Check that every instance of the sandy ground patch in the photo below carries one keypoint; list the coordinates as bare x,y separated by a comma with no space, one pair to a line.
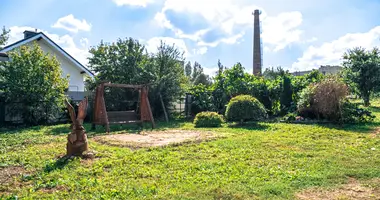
353,190
155,138
376,133
9,179
8,173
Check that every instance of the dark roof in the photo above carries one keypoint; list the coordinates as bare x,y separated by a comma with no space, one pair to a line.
40,33
14,44
3,55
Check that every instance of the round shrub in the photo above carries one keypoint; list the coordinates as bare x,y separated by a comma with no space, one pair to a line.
208,119
323,100
245,108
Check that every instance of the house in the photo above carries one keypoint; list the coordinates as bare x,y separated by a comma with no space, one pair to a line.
329,69
324,69
70,66
4,57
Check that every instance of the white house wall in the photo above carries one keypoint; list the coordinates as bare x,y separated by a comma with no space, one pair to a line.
76,79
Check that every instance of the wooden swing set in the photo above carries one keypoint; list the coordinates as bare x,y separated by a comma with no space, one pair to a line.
141,114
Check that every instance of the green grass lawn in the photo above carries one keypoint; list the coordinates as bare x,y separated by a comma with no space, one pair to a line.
264,161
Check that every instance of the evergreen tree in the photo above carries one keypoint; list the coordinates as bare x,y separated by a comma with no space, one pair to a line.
4,36
188,69
286,94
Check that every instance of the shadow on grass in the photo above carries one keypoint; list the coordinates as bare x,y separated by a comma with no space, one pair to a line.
18,129
367,127
374,109
58,164
250,126
359,127
114,129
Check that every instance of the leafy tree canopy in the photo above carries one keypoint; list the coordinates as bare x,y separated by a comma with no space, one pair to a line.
362,71
35,79
4,36
126,61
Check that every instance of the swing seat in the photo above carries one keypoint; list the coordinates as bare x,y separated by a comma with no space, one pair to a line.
142,113
123,117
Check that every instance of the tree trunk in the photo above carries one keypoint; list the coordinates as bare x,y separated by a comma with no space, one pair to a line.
366,100
164,109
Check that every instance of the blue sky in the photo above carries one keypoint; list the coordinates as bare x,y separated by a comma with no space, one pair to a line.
297,34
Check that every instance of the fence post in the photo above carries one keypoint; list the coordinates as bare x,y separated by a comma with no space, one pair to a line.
186,106
180,106
46,115
2,113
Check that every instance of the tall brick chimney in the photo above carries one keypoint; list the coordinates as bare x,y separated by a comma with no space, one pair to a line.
256,44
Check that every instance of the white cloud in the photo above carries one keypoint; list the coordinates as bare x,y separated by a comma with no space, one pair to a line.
227,40
72,24
217,12
223,15
141,3
282,30
233,17
65,41
84,42
330,53
153,43
311,40
165,23
200,51
211,71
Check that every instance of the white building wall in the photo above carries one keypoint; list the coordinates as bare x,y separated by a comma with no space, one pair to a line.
76,79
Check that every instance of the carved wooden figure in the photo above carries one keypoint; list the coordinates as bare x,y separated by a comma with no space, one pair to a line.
77,139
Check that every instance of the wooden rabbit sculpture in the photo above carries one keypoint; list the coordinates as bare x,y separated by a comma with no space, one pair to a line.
77,139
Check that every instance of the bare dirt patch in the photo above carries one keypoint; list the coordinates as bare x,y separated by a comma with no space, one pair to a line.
369,190
8,173
155,138
375,133
9,181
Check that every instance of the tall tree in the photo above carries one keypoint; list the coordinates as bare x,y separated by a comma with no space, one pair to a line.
286,94
4,36
188,69
167,76
124,62
35,79
198,76
362,71
203,79
119,62
197,70
220,67
271,73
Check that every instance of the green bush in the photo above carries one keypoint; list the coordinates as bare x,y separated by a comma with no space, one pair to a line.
352,113
33,78
290,117
286,93
328,100
208,119
202,99
306,98
245,108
